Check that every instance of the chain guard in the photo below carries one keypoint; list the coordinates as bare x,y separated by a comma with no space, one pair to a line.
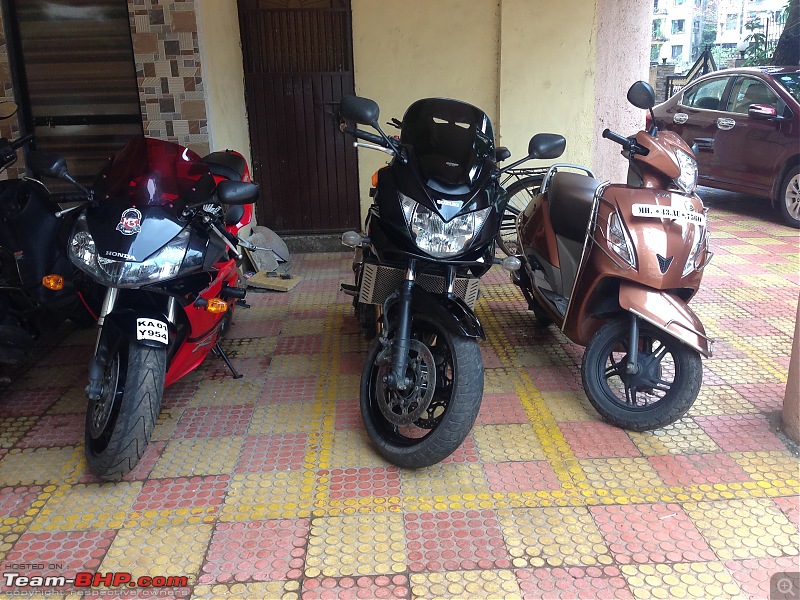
403,407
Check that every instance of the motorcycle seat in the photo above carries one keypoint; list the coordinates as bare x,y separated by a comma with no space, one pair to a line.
226,164
571,197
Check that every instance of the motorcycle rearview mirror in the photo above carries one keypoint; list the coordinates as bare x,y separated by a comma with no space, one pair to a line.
546,145
7,109
237,192
502,153
47,164
361,110
642,95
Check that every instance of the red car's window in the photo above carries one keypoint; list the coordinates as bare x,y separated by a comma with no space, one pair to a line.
747,91
706,95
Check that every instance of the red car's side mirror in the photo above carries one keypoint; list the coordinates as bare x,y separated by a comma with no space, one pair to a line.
762,111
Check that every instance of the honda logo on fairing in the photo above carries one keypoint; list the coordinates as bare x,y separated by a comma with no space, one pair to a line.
664,263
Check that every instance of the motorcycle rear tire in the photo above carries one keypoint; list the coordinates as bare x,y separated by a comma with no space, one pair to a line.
461,410
685,368
135,381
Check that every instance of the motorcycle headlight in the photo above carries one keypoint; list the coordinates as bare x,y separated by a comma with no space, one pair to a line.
437,237
82,250
687,180
619,241
159,266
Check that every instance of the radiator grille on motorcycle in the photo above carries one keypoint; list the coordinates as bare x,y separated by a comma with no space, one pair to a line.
379,281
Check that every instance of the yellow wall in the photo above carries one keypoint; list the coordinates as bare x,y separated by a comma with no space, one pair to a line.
223,75
533,66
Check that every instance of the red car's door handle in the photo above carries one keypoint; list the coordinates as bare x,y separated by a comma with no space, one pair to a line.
725,124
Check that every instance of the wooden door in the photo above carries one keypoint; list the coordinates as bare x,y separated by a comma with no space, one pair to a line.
298,64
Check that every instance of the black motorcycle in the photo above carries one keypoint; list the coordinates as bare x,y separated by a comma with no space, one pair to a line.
38,289
430,236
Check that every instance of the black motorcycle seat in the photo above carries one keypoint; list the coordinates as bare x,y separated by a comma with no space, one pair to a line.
226,164
571,197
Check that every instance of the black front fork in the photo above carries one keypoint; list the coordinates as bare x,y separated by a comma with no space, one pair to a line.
396,379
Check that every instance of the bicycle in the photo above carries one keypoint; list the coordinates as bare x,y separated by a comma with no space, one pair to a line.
525,185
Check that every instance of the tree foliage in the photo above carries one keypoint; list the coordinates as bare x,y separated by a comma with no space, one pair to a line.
787,52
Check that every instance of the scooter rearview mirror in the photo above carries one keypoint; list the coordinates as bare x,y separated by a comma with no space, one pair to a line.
642,95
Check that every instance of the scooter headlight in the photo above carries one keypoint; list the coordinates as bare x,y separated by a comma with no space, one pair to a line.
687,180
437,237
699,245
619,241
159,266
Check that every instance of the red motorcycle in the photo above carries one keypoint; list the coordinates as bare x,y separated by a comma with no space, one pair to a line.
155,234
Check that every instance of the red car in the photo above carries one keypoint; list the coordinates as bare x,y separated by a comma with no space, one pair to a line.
744,125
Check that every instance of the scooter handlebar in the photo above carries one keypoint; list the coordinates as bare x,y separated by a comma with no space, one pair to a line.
16,144
615,137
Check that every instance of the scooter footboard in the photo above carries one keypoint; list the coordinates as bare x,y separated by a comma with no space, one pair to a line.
666,311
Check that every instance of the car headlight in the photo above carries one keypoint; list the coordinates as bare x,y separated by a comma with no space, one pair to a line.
437,237
160,266
687,180
619,241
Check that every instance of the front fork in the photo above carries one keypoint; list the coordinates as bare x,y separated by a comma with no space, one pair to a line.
632,368
396,378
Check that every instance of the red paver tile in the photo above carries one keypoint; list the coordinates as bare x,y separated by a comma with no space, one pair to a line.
254,329
351,363
322,285
299,344
15,501
723,350
555,378
790,506
490,358
762,309
593,439
277,451
697,469
455,540
573,582
753,575
743,269
54,430
527,476
651,533
179,394
251,368
363,482
501,408
348,414
29,401
767,397
256,551
740,433
214,421
467,452
182,492
68,355
356,588
748,327
288,389
74,550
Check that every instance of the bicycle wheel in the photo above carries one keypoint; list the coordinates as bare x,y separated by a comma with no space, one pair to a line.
520,194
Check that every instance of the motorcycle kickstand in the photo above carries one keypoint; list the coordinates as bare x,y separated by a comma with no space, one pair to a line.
218,351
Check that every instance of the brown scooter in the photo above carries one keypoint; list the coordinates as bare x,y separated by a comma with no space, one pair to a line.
614,267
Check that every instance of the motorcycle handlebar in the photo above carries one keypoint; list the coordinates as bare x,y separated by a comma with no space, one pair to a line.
363,135
615,137
16,144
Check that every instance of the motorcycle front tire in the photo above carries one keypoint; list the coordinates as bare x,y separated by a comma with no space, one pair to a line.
461,359
117,435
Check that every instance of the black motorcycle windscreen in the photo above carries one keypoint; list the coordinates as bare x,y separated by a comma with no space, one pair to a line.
141,195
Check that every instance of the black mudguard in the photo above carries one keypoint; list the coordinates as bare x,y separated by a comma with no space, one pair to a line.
452,312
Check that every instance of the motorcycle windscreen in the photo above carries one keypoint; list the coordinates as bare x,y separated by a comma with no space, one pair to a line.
451,141
148,172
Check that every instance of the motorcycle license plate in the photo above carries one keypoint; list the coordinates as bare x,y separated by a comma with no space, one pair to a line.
152,331
655,211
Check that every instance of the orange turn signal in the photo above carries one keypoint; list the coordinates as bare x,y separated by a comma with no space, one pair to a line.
216,305
375,179
53,282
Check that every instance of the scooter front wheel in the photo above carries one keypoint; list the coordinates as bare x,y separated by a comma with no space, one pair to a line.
664,386
119,424
419,427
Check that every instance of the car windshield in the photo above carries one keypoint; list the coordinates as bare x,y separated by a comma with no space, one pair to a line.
790,82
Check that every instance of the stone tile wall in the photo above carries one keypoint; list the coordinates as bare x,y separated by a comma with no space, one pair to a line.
9,128
167,56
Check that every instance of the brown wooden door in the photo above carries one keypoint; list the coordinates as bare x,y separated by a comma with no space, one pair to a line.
298,64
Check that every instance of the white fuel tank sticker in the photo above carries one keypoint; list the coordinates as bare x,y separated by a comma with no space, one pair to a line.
152,330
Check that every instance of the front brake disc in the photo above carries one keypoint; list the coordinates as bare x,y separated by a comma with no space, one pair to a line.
403,407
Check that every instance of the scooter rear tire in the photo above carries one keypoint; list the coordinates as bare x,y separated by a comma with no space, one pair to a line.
684,369
135,386
461,355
